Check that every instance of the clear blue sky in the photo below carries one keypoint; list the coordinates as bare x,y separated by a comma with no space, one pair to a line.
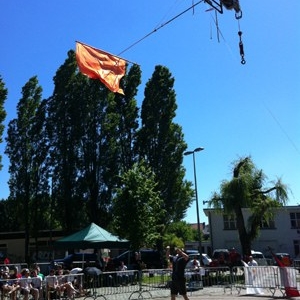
231,110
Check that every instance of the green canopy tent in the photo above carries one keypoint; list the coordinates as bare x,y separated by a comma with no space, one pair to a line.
93,236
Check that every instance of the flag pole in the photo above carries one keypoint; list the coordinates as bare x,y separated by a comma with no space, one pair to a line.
107,53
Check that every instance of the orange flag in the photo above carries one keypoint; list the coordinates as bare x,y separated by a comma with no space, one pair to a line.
97,64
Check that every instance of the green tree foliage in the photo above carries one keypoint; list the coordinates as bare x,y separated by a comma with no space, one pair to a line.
247,189
137,206
3,95
160,143
91,134
127,114
172,240
73,153
182,231
27,153
63,127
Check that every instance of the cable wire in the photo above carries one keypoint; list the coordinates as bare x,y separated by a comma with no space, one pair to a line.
161,26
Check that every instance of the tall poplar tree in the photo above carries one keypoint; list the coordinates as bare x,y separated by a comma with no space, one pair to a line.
127,111
98,150
63,126
27,180
109,123
3,95
3,206
91,134
161,144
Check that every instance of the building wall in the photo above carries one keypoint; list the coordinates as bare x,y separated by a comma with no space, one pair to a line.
12,245
281,238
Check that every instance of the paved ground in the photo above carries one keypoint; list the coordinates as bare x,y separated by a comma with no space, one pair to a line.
209,293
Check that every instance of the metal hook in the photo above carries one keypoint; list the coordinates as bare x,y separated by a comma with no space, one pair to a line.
239,15
241,46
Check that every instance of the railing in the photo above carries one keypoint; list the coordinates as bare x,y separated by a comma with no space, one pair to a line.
156,283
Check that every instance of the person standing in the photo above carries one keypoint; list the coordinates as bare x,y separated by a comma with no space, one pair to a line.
138,266
178,284
252,262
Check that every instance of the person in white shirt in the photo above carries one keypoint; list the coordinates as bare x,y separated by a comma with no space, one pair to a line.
51,284
193,264
26,286
77,280
122,275
36,282
252,262
64,284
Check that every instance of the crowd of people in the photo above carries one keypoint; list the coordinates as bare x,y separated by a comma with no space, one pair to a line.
59,283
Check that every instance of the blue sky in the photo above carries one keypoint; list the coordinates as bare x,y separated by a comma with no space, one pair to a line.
231,110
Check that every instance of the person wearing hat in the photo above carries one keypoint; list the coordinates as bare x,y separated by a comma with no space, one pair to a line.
179,261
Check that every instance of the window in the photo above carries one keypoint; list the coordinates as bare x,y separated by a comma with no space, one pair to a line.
295,219
267,225
229,222
297,248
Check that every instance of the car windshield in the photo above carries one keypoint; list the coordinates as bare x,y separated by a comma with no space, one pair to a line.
257,255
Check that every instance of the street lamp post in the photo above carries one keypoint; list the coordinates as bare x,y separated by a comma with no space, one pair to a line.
196,195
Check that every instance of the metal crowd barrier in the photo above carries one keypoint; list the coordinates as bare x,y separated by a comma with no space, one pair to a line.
253,279
258,279
150,283
136,284
156,283
147,284
130,284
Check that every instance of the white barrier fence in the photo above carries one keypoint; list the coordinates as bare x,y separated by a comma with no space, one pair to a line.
258,280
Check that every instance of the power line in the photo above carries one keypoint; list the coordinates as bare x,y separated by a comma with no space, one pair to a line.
281,127
161,26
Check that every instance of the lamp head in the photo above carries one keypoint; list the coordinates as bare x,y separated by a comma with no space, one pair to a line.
188,152
195,150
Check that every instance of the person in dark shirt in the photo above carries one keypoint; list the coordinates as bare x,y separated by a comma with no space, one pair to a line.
179,261
138,266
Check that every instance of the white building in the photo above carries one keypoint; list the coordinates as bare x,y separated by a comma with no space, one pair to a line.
282,234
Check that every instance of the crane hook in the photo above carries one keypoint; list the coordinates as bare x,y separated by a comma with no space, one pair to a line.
241,46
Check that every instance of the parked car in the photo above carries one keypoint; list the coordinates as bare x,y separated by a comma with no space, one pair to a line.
220,258
259,258
226,258
205,261
151,258
68,261
296,263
